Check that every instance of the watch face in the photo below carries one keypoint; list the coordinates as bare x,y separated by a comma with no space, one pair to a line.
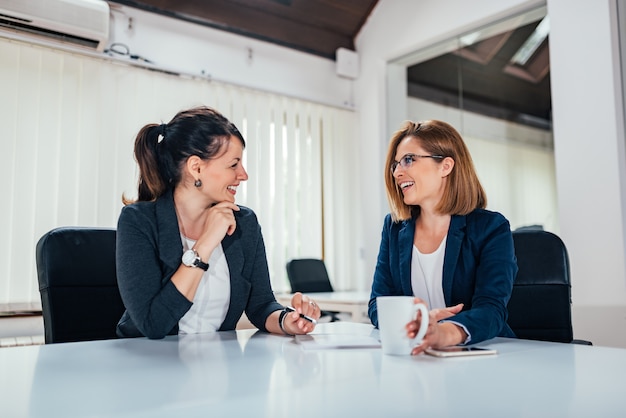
189,257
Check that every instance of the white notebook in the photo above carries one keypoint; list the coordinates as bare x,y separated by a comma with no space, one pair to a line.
336,341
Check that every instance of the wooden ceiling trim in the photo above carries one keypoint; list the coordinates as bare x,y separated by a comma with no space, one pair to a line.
314,26
335,16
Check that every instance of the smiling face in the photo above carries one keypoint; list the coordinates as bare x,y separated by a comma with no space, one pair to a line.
423,182
221,176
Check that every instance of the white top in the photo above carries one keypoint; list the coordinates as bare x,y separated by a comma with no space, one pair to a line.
427,280
427,276
212,298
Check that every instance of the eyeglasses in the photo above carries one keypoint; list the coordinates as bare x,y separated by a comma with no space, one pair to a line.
407,160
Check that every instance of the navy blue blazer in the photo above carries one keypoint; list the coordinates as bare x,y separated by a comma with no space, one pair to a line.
479,268
148,253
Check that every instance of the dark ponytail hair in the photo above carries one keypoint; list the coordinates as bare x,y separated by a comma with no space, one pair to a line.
162,150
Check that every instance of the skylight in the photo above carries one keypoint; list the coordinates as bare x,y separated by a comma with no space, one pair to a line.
529,47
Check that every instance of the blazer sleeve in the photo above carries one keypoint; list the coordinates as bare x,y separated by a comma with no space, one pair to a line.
261,302
386,275
153,303
493,256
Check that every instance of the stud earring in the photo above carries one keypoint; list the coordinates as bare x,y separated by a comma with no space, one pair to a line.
198,183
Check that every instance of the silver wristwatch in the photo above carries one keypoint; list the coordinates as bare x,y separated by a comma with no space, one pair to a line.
192,259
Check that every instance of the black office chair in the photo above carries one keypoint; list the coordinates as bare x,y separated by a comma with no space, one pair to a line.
80,299
309,275
540,304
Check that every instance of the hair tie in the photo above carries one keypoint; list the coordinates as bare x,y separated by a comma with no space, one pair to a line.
162,129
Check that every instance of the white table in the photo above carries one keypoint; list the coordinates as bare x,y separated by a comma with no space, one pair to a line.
247,373
352,302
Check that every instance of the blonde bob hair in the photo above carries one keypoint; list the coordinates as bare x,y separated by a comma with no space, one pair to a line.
463,192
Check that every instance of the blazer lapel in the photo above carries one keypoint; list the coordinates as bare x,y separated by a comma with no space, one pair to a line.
239,287
405,247
456,233
170,243
231,244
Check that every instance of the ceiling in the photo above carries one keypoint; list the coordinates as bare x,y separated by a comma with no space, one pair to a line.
317,27
479,77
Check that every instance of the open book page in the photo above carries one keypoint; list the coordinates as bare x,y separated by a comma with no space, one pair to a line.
336,341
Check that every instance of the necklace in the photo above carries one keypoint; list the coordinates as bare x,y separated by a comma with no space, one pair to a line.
181,227
419,262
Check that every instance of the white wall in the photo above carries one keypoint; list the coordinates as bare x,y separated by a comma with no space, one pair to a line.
199,50
588,157
588,134
589,152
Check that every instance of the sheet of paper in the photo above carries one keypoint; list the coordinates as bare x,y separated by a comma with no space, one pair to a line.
336,341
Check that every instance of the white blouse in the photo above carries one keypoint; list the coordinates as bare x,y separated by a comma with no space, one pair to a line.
427,276
212,298
427,280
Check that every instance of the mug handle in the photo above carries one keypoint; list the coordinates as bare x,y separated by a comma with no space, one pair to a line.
423,323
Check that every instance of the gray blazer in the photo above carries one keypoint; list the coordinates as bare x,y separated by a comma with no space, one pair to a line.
148,253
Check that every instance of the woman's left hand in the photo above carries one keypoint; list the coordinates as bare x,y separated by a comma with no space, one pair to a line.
304,305
438,334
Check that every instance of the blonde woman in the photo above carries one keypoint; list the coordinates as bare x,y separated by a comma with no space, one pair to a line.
439,243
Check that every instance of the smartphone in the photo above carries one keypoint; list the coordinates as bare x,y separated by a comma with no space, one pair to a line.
460,351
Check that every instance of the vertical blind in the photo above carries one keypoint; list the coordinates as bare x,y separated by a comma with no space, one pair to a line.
67,128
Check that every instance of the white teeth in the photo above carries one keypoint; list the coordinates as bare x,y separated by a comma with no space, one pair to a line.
233,188
406,184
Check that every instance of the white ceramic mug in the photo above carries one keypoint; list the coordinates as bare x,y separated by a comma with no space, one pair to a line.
394,312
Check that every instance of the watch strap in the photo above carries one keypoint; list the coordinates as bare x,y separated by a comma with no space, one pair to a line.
281,322
191,258
200,264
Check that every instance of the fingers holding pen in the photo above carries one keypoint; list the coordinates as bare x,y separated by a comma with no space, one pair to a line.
305,313
309,308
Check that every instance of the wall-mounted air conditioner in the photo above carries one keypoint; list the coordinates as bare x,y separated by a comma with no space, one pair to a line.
83,23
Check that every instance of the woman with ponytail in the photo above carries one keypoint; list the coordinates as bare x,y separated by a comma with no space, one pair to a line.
189,260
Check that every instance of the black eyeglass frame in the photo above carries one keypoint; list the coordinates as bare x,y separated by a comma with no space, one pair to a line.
407,160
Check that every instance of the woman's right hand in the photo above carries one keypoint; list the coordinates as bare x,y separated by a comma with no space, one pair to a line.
437,334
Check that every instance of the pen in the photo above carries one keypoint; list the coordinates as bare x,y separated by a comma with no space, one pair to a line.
307,318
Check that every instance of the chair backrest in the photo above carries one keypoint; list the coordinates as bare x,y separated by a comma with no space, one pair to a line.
540,305
80,299
308,275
